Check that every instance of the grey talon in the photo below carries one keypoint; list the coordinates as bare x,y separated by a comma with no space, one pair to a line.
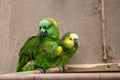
41,70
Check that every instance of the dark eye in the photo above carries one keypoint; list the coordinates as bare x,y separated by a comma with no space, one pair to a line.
39,27
70,38
49,26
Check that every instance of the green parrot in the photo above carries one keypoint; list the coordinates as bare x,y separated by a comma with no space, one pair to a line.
48,34
67,47
69,43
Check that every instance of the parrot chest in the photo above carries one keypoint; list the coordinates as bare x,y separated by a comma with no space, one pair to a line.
48,48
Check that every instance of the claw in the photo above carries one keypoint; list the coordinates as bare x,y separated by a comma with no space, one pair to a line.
41,70
61,69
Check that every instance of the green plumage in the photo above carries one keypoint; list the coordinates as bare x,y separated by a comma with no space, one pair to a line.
28,52
41,46
48,51
68,49
41,51
46,62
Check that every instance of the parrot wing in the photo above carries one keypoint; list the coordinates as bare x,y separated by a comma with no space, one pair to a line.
27,52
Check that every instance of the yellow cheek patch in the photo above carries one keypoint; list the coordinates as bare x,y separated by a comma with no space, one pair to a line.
69,42
59,50
52,20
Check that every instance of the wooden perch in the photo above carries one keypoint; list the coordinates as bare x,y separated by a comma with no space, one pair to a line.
93,67
67,76
50,70
77,68
71,72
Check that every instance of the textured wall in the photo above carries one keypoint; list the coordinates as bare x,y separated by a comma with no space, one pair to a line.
19,20
113,29
5,55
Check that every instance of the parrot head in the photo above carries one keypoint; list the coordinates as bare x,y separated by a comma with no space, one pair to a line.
70,42
48,27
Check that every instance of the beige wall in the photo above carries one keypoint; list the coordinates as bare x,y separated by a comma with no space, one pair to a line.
19,20
113,29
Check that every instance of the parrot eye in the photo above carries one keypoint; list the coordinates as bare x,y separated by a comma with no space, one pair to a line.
40,27
49,26
70,38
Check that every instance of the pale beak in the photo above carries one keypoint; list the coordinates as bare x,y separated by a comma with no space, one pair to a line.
43,32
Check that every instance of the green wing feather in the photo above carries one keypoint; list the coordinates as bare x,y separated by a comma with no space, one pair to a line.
28,52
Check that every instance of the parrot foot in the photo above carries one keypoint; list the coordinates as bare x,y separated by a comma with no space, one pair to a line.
61,69
41,70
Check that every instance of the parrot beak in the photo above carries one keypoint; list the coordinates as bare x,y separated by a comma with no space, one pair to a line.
43,32
76,43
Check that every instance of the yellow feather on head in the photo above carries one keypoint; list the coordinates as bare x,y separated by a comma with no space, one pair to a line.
53,21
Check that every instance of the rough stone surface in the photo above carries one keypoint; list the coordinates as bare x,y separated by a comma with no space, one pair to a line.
19,20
